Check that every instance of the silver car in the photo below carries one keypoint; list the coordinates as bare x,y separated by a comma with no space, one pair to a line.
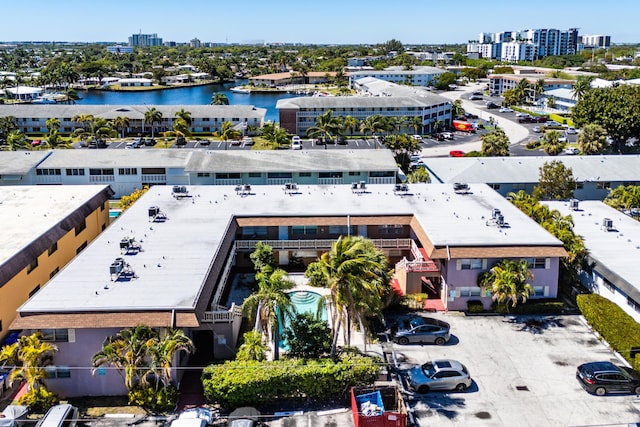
439,375
422,330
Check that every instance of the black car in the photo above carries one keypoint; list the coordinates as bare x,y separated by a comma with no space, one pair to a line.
471,116
492,105
527,119
601,378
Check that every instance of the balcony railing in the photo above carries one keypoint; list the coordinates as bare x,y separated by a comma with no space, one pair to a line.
330,181
222,315
101,178
318,244
230,181
154,178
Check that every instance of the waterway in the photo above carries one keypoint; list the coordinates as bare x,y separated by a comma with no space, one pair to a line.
193,95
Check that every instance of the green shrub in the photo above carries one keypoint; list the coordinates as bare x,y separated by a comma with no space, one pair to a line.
38,400
235,384
475,306
162,399
612,323
532,307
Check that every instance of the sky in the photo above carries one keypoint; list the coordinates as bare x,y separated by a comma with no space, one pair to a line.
311,22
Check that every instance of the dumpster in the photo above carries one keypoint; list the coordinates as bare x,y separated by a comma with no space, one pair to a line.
380,405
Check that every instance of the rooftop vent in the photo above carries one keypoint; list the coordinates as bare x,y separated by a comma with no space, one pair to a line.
120,270
180,191
290,188
129,245
401,189
497,219
495,212
359,187
574,204
460,188
243,190
607,224
156,215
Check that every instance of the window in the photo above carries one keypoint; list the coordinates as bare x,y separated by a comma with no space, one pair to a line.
128,171
81,226
303,230
354,173
341,230
227,176
203,174
603,185
471,264
276,175
607,284
102,207
81,247
54,272
473,291
534,263
74,172
33,291
48,172
633,304
52,249
57,371
381,174
98,172
304,174
330,174
254,231
55,335
32,266
495,186
390,229
579,185
154,171
255,175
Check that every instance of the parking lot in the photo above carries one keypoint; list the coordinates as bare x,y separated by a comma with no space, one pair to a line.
523,371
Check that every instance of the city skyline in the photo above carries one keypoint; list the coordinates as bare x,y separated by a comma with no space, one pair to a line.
330,22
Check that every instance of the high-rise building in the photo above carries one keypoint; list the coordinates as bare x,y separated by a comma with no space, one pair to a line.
589,42
525,45
145,40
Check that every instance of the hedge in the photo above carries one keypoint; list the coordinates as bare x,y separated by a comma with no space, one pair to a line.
612,323
532,307
241,383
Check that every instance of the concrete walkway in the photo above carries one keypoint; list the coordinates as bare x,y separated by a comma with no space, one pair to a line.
514,131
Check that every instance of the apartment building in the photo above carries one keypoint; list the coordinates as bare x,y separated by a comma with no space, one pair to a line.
416,76
169,261
525,45
43,229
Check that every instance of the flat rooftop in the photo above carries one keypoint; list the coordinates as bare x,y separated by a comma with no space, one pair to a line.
28,212
519,169
617,250
177,253
21,162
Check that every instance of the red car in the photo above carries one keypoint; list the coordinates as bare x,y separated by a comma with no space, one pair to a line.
456,153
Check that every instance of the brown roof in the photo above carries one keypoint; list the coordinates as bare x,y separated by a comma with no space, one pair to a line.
288,74
498,252
101,320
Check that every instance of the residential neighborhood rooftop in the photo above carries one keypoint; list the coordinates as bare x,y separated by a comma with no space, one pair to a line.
20,162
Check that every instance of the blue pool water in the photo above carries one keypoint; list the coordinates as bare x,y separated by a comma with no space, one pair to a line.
303,302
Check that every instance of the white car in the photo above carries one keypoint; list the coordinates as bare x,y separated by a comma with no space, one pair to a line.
505,110
296,143
562,138
416,137
572,151
571,131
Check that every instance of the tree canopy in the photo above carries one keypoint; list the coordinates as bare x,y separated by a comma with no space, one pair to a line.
556,182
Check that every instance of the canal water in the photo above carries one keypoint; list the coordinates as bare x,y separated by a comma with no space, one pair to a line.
193,95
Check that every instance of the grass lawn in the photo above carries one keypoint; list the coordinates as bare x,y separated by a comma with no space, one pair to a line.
100,406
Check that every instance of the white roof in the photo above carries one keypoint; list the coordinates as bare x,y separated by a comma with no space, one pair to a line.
178,253
525,169
618,250
27,212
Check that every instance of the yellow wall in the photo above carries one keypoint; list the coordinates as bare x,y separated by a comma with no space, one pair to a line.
16,291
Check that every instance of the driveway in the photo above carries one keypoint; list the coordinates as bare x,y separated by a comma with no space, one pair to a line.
523,370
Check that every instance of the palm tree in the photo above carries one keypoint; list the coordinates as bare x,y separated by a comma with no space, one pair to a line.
219,99
357,275
508,282
100,128
128,352
522,90
29,355
56,141
495,143
16,141
181,128
253,347
184,115
351,123
581,86
538,88
270,303
152,116
165,350
71,96
327,127
551,143
624,197
416,123
456,108
53,124
373,124
7,124
228,132
121,122
591,138
83,119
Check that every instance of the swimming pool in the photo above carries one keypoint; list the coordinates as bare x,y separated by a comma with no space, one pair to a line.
303,302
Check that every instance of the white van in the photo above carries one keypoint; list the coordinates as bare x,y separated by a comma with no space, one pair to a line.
60,416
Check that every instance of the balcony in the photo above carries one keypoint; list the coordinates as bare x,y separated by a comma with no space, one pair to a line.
323,244
98,179
154,178
222,314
